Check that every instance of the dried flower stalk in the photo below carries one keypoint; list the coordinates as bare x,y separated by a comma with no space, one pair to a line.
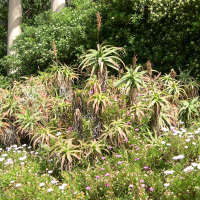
173,74
149,69
134,61
98,25
54,49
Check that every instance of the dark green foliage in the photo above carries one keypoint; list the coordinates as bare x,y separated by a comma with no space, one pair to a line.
30,8
70,31
161,32
5,82
3,30
165,32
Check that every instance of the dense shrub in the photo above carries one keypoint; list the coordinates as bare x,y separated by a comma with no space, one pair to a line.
167,33
69,30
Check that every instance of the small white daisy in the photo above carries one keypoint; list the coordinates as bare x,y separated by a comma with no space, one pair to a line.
42,184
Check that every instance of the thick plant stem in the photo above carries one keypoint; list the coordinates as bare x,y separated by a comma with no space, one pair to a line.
155,121
133,95
103,78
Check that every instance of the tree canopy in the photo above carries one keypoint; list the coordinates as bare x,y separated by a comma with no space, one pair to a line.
165,32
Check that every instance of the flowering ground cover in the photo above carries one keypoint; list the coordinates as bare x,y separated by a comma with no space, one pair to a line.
165,168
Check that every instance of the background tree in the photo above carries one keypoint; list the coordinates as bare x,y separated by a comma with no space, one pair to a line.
145,28
57,5
14,22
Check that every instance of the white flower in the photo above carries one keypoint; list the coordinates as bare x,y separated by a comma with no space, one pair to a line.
166,184
163,142
12,181
190,133
64,185
50,190
164,129
186,147
24,145
9,162
14,146
41,184
32,152
178,157
20,147
4,155
169,172
50,172
194,164
187,140
196,132
1,149
22,163
54,181
22,158
18,185
190,168
58,133
168,144
1,159
18,151
9,148
183,130
61,187
178,132
36,153
194,143
29,147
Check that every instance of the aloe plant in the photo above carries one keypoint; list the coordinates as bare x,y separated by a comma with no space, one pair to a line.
189,110
117,131
138,111
190,85
175,89
43,135
133,79
158,100
99,102
98,60
28,120
62,77
94,149
65,150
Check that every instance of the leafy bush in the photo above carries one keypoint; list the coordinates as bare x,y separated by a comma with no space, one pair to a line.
166,33
69,30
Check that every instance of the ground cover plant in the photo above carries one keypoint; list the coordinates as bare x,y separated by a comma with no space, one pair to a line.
91,133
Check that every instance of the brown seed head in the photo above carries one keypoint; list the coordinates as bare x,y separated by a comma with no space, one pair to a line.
98,21
173,74
54,49
149,69
134,61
